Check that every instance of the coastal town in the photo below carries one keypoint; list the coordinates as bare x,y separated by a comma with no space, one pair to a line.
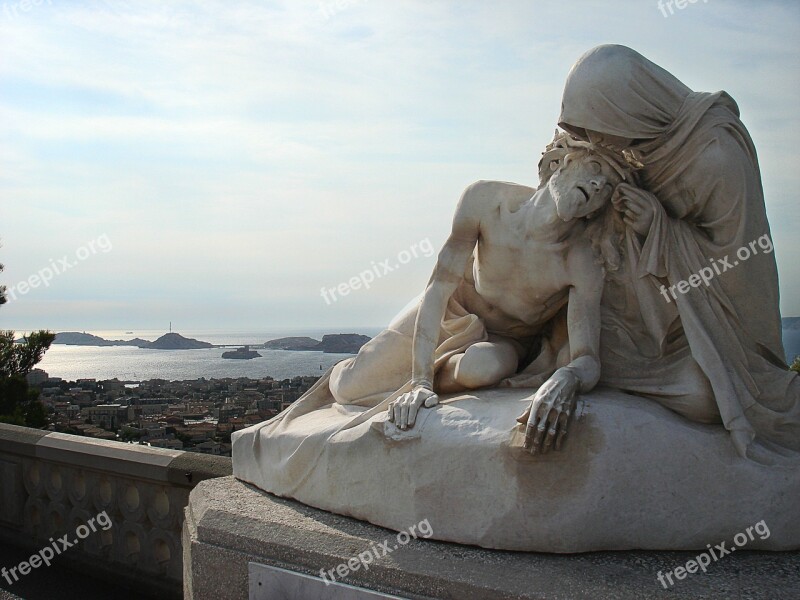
194,416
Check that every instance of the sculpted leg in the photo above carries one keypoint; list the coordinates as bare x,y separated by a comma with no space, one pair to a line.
483,364
382,365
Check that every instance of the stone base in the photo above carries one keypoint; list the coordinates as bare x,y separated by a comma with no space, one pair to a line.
632,476
230,524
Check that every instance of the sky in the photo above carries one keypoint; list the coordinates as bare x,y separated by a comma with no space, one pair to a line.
224,165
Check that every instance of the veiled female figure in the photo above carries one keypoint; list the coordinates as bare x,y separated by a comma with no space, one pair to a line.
715,351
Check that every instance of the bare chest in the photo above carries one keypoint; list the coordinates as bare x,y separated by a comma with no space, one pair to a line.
519,275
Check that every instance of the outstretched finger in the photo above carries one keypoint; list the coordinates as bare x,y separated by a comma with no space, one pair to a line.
541,427
530,431
551,432
397,420
412,414
535,423
404,415
562,433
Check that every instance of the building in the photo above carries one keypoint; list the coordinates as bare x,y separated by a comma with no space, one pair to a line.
107,416
209,447
165,443
37,377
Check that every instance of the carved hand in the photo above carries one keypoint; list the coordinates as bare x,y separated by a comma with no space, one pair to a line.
638,207
403,410
550,411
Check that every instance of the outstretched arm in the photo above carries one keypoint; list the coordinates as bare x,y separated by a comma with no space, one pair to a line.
552,406
447,275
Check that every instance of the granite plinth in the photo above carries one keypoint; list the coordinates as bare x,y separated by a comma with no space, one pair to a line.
230,524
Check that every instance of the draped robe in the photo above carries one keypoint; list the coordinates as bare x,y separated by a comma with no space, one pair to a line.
701,164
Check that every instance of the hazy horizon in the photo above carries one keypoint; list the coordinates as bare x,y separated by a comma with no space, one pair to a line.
226,165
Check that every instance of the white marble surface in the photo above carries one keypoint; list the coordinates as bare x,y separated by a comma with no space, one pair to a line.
633,475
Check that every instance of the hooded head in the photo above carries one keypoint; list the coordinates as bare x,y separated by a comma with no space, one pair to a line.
615,91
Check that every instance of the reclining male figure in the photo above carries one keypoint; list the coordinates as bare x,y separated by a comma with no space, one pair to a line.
525,262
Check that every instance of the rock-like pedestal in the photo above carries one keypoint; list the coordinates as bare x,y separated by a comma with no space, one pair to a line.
230,524
632,475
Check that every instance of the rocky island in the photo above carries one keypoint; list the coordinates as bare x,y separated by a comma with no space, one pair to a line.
169,341
335,343
292,343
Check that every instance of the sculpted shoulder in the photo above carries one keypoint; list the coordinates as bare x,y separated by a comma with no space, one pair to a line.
485,194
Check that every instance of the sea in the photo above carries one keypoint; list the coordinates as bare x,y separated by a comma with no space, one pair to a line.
138,364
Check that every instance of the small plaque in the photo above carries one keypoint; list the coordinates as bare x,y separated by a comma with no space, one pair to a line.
272,583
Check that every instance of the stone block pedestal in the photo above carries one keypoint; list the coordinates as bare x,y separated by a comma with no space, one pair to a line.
230,525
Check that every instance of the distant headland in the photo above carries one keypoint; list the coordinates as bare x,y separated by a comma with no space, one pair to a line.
336,343
169,341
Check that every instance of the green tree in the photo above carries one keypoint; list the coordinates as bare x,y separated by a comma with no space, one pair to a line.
795,366
129,434
19,404
18,359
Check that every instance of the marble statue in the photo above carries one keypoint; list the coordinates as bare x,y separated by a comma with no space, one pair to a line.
559,302
703,199
516,259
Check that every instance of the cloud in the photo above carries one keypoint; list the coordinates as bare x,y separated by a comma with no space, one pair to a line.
249,153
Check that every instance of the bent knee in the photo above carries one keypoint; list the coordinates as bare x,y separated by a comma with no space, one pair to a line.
359,383
485,364
341,383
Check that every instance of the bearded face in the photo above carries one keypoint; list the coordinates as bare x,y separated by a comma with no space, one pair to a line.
581,184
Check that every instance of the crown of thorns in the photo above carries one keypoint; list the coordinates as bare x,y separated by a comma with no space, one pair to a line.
619,162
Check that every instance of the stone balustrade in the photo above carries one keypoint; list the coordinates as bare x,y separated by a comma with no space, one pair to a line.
53,484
